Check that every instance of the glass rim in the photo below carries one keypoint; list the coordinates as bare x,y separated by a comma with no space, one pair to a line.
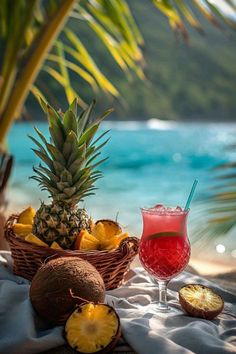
171,213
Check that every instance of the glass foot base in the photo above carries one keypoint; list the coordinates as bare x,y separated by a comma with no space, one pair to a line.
163,308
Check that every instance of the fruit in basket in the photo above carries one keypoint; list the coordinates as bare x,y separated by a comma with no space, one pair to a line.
93,328
63,283
105,235
86,241
22,230
27,216
200,301
68,174
109,233
113,242
34,239
111,227
55,246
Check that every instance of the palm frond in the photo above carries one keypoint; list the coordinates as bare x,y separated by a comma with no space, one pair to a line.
218,207
26,40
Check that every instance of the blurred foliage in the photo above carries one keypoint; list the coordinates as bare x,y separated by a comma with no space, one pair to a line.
28,32
194,80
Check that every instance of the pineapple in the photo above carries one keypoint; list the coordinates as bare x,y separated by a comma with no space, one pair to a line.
68,173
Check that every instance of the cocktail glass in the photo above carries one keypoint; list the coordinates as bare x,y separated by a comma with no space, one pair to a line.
164,247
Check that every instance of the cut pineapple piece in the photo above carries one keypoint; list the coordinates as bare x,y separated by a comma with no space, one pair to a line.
22,229
86,241
99,231
113,242
200,301
34,239
111,228
93,328
27,216
55,246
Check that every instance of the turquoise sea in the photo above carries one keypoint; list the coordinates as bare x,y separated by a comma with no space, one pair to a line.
149,163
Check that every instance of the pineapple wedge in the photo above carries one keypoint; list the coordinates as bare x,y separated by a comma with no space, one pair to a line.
34,239
111,227
22,230
27,216
113,242
55,246
86,241
99,232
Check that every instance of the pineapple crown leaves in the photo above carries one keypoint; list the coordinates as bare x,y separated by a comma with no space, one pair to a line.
71,157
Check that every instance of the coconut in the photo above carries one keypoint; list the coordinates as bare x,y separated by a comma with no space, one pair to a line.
61,284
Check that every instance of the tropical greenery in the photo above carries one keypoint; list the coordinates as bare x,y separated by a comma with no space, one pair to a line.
34,38
182,81
28,42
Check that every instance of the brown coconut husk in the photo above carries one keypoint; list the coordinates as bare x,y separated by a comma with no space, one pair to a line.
63,283
198,312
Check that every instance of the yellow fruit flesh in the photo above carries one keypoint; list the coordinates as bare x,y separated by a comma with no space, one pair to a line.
99,232
88,241
55,246
92,328
111,228
34,239
114,242
22,229
27,216
201,298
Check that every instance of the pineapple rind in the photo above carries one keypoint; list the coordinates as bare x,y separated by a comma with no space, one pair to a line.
69,172
60,223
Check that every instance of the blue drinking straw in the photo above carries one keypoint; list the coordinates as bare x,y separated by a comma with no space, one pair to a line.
190,197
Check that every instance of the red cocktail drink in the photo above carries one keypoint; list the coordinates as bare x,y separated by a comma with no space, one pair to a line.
164,248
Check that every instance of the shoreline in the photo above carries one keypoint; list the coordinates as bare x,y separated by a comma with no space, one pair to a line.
211,265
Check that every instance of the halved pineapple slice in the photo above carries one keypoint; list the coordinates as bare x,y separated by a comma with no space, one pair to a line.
27,216
99,232
200,301
113,242
55,246
86,241
34,239
93,328
111,227
22,230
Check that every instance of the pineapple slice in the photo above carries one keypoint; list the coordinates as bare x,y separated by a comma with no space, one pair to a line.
114,242
27,216
99,232
86,241
111,228
55,246
22,230
93,328
34,239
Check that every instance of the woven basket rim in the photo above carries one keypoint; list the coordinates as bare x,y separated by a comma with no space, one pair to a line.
130,242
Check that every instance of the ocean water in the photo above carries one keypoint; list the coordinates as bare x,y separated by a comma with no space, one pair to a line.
148,163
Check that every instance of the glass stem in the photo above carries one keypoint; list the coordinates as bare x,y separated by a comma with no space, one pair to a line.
163,305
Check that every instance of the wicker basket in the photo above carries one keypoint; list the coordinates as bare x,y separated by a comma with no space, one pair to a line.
112,265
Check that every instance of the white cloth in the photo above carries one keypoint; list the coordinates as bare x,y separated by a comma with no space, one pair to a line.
145,330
